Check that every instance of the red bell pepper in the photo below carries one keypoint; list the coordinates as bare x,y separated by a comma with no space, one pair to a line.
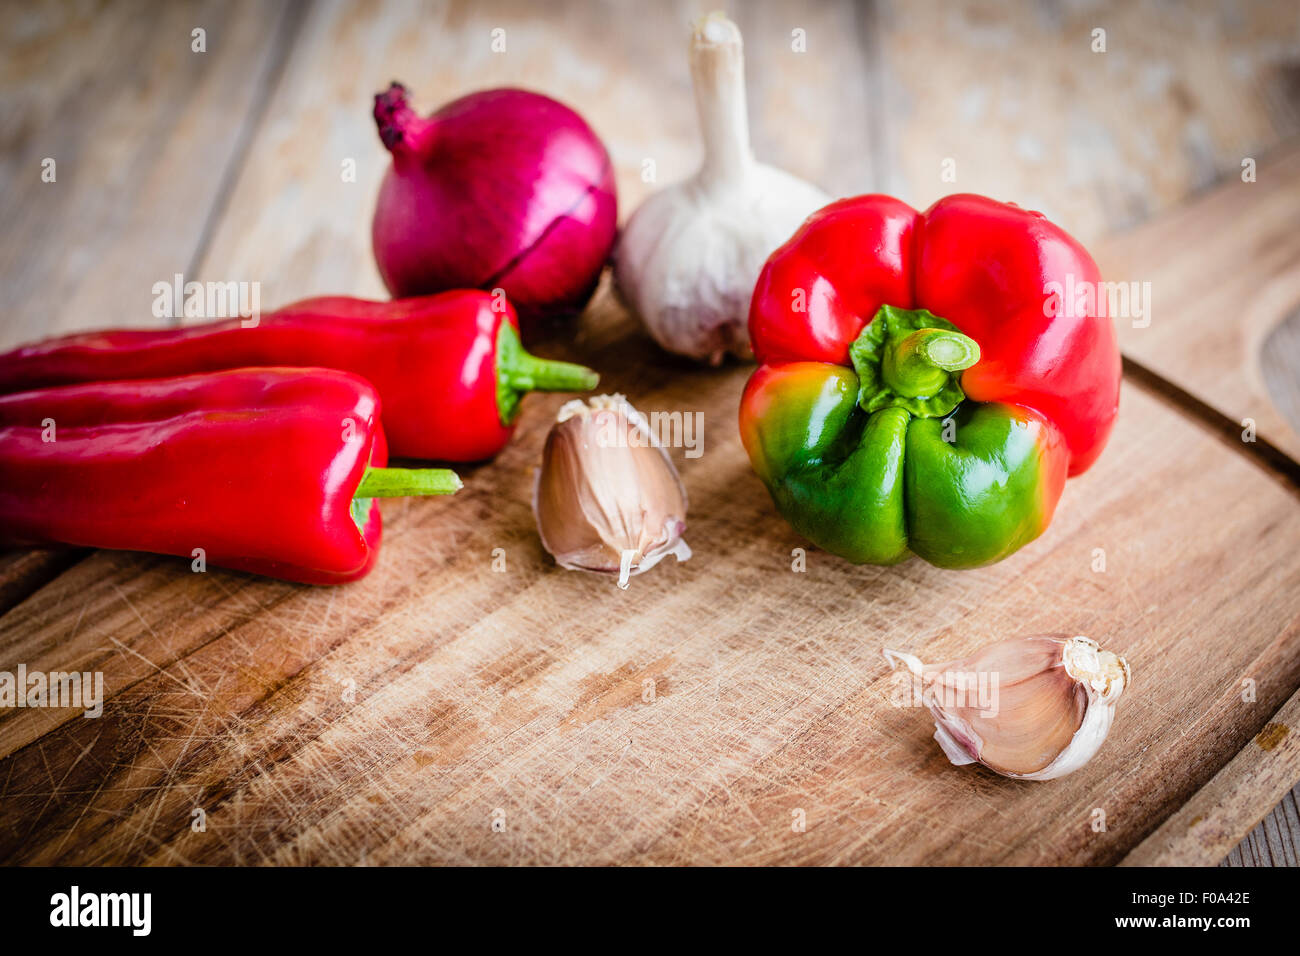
450,367
922,386
265,470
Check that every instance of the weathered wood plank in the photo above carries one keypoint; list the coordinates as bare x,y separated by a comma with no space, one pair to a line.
1015,95
1224,274
1274,841
141,131
1210,824
23,573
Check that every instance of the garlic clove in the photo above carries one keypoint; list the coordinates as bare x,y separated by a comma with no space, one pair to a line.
690,255
1033,708
607,498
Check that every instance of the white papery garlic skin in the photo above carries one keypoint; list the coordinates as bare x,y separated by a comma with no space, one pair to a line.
607,498
1055,700
689,257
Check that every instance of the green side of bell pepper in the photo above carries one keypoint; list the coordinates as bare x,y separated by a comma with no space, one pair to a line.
890,459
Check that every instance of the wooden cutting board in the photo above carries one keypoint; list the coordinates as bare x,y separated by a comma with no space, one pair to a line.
445,711
692,718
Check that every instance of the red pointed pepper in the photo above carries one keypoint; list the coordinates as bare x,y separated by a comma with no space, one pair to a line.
450,367
265,470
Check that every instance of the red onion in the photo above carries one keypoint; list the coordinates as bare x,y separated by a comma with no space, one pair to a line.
499,189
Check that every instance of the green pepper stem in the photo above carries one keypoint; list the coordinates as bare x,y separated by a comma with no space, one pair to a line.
920,364
519,372
402,482
528,373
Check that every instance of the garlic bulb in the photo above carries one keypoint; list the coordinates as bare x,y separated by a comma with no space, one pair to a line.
1034,708
607,497
690,255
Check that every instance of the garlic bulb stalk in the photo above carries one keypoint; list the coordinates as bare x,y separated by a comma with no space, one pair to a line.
607,497
1032,708
689,256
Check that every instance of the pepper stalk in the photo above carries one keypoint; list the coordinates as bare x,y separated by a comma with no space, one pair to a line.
400,483
911,359
520,372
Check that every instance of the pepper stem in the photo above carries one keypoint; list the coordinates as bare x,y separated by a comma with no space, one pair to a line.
918,366
519,372
911,359
403,482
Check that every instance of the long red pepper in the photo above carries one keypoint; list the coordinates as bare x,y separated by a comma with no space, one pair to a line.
265,470
450,367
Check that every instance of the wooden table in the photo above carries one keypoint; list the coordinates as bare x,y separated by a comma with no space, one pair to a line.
440,711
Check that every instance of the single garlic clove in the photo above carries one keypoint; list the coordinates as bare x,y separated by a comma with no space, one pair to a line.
690,255
1033,708
607,497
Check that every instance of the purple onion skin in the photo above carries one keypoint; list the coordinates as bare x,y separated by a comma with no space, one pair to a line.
499,189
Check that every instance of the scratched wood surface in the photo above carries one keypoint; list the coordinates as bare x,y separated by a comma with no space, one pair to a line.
1210,824
1220,316
393,720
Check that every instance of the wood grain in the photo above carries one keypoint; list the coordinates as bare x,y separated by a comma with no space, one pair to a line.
1015,94
1209,825
474,691
1280,363
686,720
1273,841
1217,303
142,132
22,573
